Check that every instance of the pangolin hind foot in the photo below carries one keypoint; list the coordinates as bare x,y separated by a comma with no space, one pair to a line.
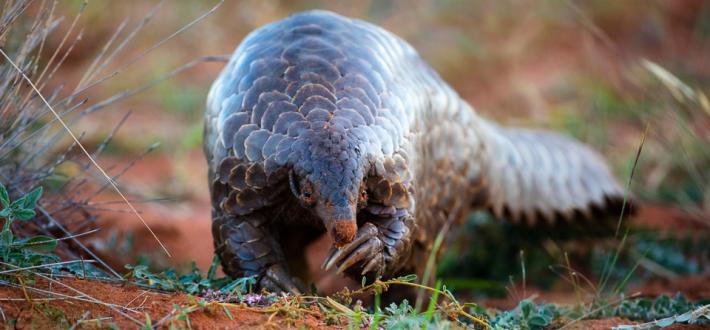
320,123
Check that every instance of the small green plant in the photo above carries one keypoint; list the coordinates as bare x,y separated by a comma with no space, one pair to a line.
148,323
528,315
19,253
193,283
645,309
184,314
402,316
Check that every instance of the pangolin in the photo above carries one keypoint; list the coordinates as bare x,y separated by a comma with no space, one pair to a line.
322,123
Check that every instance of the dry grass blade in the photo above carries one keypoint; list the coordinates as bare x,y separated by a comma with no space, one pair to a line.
61,45
91,70
15,270
677,87
609,266
82,88
431,260
114,307
83,317
83,85
13,14
78,243
125,169
128,93
174,34
627,190
89,232
83,149
339,307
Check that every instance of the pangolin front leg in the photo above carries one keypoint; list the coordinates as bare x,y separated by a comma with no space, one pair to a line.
379,249
247,247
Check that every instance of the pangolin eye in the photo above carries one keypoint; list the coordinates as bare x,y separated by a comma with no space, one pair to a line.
307,190
307,194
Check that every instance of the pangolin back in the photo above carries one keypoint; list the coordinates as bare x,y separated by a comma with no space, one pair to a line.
422,149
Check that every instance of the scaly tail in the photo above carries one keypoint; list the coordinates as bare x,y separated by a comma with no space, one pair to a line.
531,175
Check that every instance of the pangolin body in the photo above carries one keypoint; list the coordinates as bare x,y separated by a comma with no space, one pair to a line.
321,123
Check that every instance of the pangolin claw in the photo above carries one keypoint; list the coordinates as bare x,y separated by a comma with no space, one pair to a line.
366,246
277,279
376,263
365,233
371,248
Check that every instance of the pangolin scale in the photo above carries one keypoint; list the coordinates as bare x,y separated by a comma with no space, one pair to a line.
321,123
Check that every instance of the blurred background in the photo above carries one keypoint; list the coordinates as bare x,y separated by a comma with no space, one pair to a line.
601,71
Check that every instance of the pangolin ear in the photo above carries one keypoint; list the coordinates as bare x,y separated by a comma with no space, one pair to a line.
293,184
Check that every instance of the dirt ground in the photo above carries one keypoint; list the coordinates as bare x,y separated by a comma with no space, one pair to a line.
105,303
89,304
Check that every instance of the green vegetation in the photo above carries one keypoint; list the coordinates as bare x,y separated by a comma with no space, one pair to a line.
194,282
24,257
22,253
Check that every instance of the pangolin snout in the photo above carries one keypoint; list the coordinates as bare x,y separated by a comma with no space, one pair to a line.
342,231
340,222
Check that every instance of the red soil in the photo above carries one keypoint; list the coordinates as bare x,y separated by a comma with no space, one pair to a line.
117,303
32,311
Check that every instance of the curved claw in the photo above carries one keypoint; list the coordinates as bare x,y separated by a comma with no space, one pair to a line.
328,262
366,245
369,248
277,279
364,234
377,262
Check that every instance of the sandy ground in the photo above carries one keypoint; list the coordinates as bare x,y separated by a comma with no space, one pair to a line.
127,305
117,303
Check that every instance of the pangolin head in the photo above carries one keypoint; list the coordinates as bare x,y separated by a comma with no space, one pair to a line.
328,179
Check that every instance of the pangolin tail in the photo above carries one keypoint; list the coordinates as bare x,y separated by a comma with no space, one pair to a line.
532,176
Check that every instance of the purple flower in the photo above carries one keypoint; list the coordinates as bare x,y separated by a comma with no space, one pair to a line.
253,299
